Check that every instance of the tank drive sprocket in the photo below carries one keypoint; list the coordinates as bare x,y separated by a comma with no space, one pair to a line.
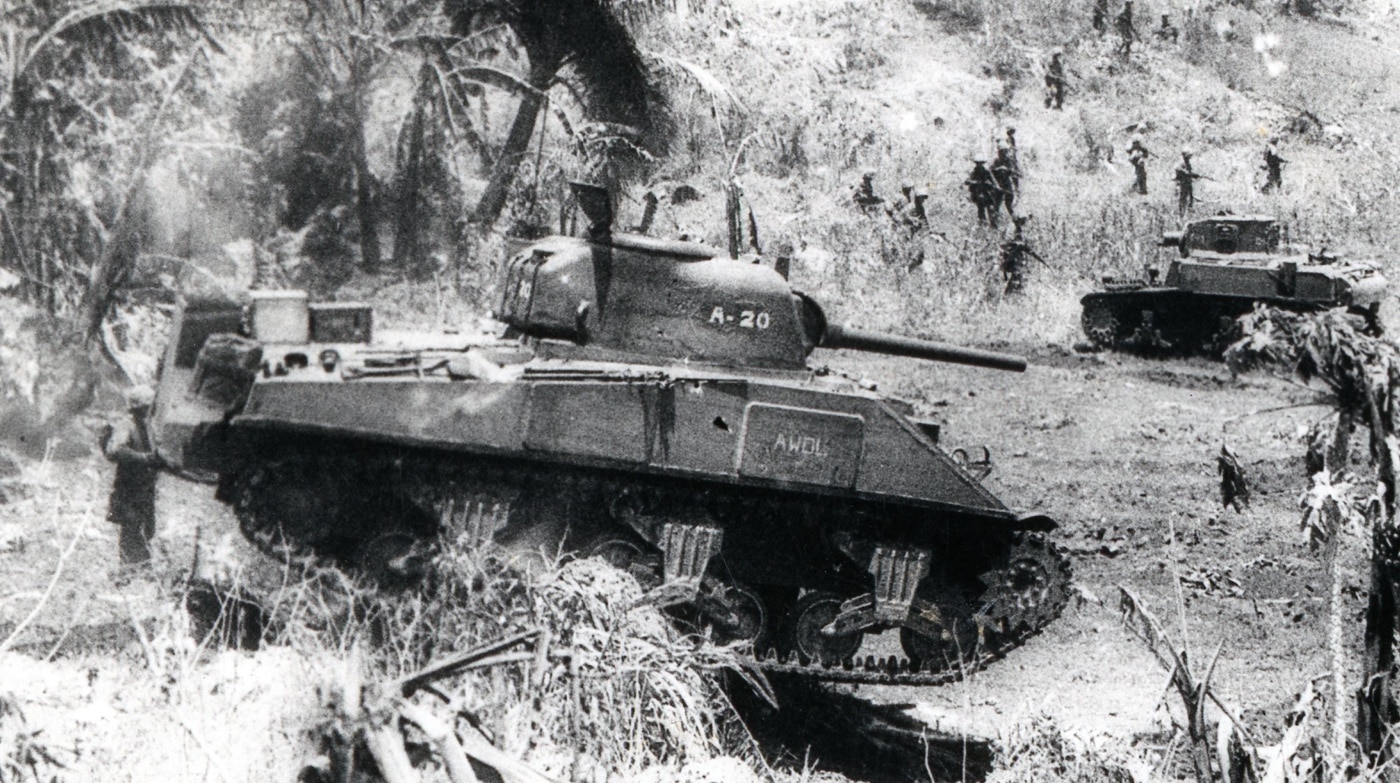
1103,323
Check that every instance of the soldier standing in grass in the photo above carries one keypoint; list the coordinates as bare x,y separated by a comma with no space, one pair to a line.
1016,254
1127,32
1185,183
1055,82
132,504
982,189
1007,177
1273,165
1138,155
1100,18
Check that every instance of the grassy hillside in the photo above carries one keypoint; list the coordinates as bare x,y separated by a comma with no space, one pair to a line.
824,90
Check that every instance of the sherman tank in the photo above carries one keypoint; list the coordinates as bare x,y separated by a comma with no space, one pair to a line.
1225,266
645,400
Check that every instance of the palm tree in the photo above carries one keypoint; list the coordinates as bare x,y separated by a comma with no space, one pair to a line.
583,36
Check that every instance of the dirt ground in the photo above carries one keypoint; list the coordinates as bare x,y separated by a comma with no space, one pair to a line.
1122,451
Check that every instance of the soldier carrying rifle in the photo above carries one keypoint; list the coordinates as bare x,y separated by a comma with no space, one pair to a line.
1186,183
1015,255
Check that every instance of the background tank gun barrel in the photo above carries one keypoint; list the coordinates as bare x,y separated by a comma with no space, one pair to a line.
874,342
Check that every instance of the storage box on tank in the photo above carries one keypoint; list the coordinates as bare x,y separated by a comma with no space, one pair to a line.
341,322
280,316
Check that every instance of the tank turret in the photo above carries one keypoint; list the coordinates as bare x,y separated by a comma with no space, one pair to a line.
643,299
1226,235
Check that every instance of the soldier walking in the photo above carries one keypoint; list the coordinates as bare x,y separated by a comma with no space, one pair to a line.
1127,32
1016,254
1007,177
1273,165
1055,82
1185,183
1100,17
1138,155
983,190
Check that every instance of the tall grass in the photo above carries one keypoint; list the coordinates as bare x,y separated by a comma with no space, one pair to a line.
615,690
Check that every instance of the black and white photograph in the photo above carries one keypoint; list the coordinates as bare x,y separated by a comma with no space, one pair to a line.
699,391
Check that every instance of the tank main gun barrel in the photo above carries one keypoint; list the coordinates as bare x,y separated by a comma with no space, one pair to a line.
874,342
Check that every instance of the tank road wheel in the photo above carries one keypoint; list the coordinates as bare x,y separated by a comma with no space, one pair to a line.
802,630
1030,590
960,639
1102,324
750,619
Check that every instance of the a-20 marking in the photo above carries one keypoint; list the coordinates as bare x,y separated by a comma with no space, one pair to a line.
748,319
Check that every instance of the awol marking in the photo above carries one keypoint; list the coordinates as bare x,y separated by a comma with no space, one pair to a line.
791,443
801,444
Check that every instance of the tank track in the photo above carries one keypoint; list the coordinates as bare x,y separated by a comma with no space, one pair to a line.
1006,625
1184,326
290,506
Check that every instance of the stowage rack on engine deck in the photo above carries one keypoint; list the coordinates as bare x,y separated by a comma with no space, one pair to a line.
647,401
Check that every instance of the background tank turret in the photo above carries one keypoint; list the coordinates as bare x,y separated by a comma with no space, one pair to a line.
1224,266
648,401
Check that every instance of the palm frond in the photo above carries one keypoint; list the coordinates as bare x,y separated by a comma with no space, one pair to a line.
493,77
100,22
712,86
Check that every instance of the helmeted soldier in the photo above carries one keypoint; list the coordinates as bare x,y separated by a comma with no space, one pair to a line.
1100,17
132,503
1273,166
1127,32
1138,155
1016,254
1055,82
1186,178
983,190
1007,177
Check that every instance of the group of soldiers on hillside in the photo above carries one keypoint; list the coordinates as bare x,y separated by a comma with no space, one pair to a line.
991,189
995,185
1127,31
996,188
1185,175
1126,28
